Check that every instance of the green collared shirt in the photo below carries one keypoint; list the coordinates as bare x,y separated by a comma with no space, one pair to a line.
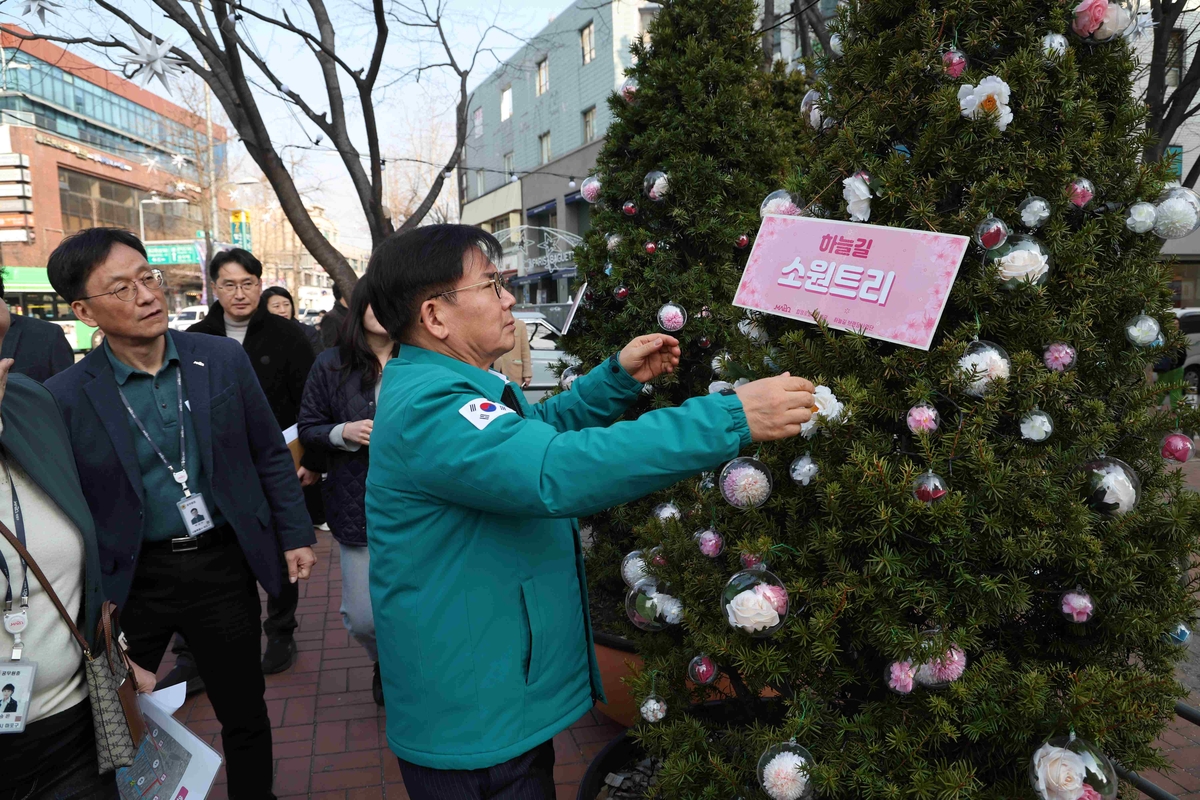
155,401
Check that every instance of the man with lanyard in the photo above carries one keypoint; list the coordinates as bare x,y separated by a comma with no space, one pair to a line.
185,419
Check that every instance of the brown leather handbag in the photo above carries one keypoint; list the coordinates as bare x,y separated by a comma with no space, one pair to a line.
115,714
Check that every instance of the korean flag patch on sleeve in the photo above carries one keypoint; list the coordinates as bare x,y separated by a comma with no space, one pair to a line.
481,411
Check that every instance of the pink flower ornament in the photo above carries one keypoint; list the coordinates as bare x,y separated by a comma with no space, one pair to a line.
954,63
922,418
710,542
1077,606
1090,794
775,595
900,676
1059,356
1081,191
950,666
1088,16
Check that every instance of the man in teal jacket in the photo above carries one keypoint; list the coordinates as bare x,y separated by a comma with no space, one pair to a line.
477,577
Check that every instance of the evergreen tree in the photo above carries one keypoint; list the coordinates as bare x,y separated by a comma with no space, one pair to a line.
934,635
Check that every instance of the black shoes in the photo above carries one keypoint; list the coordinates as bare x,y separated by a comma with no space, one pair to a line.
281,654
377,686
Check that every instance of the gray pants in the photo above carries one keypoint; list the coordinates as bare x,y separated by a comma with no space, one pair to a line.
356,597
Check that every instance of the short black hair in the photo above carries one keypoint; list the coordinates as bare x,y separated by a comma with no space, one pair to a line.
337,292
72,262
411,266
8,687
277,291
238,256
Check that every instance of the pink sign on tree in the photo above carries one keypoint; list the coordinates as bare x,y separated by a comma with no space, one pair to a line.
888,283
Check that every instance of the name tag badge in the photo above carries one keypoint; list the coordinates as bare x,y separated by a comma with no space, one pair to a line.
480,412
194,512
16,680
15,622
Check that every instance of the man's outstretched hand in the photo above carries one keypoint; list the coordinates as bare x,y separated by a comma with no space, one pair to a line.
647,357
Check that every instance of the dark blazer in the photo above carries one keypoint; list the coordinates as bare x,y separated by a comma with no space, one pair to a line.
330,398
36,438
10,707
40,348
253,481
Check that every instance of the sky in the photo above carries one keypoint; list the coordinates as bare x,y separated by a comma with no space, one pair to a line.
405,107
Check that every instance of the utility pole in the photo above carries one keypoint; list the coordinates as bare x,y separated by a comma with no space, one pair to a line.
210,228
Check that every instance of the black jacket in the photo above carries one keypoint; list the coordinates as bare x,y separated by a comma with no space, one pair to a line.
331,325
331,398
40,348
281,356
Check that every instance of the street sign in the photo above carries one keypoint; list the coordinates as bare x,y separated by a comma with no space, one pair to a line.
167,253
239,229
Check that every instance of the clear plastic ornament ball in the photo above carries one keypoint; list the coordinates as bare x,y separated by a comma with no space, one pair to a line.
1036,426
720,362
621,293
923,418
716,387
710,541
1067,766
633,568
704,342
810,109
900,676
1181,634
1059,356
803,470
1080,192
940,665
1143,330
1077,606
755,601
745,482
1021,261
1097,21
629,89
568,377
954,63
991,233
702,670
629,208
656,556
1034,211
671,317
650,607
650,247
835,44
982,364
1054,45
752,331
780,202
1140,217
708,481
1177,447
590,191
1113,488
784,772
653,708
930,488
656,185
608,267
753,561
612,240
1177,213
741,242
666,511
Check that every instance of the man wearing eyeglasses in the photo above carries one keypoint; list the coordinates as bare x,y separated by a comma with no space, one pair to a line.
282,357
163,423
477,576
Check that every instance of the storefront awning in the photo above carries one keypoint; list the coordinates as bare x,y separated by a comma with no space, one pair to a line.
544,208
566,272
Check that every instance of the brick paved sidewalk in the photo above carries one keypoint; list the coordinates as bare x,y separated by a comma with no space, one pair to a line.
328,732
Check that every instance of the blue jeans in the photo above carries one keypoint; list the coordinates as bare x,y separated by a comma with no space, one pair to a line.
356,597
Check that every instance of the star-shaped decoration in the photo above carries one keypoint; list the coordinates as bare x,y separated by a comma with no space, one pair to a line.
181,187
179,161
235,193
151,60
150,163
41,8
1143,24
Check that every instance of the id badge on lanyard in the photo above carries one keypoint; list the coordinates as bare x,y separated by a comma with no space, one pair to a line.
16,674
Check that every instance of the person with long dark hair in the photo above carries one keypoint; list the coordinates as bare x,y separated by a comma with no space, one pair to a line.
337,413
278,301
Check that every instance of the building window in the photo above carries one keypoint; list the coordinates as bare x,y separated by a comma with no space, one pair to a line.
544,146
589,125
508,166
543,76
89,202
505,103
478,122
1175,50
480,183
587,41
1173,155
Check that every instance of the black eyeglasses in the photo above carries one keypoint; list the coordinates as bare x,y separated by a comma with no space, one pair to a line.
128,290
498,283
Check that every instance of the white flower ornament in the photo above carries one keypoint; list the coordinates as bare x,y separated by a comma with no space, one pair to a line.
989,97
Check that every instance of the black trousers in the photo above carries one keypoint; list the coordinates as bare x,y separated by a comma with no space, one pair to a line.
55,759
211,598
529,776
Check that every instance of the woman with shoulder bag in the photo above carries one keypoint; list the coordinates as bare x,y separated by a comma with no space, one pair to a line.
48,745
337,412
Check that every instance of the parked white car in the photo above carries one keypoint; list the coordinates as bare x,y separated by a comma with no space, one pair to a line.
544,351
187,317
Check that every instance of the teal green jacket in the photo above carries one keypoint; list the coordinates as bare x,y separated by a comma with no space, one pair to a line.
477,577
